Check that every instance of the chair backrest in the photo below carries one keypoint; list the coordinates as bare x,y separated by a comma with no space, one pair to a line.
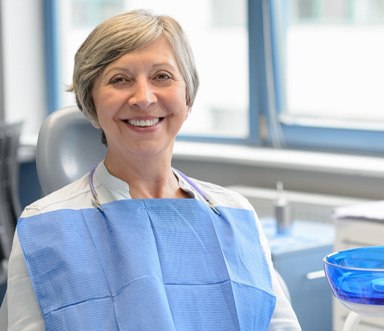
68,147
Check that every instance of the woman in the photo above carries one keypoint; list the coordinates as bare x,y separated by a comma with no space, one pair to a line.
136,244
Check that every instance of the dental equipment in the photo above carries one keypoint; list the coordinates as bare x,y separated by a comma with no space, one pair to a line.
356,277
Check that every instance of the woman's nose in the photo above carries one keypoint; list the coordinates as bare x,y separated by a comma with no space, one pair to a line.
142,94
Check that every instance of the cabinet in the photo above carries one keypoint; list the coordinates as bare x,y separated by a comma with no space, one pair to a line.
357,227
298,257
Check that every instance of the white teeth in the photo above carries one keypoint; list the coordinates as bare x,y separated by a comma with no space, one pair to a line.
144,123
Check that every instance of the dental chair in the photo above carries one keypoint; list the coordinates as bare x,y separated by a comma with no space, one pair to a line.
68,147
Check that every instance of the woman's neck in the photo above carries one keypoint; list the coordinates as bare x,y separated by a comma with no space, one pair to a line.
147,179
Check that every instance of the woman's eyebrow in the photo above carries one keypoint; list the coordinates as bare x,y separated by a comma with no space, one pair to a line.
117,68
165,64
127,70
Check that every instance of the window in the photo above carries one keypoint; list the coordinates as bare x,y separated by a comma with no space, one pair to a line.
330,72
218,33
282,73
334,61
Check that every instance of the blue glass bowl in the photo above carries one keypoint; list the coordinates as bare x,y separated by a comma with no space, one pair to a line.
356,277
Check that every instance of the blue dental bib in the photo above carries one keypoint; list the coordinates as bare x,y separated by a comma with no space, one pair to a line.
151,264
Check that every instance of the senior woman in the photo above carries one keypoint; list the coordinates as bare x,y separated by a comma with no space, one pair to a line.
136,244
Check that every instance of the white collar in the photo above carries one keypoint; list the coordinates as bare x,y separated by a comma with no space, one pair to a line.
111,188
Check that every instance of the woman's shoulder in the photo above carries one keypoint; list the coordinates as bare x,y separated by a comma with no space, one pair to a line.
75,195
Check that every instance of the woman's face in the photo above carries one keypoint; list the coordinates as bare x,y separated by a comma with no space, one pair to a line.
140,101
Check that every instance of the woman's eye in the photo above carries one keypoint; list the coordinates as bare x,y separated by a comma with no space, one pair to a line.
163,76
118,80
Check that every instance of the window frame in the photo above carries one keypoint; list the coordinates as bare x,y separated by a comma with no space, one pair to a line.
51,41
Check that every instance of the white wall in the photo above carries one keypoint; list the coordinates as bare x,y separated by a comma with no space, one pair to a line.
23,63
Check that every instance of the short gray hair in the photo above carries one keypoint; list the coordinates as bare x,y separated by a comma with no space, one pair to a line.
122,34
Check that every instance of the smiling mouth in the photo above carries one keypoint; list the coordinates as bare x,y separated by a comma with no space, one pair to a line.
145,123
